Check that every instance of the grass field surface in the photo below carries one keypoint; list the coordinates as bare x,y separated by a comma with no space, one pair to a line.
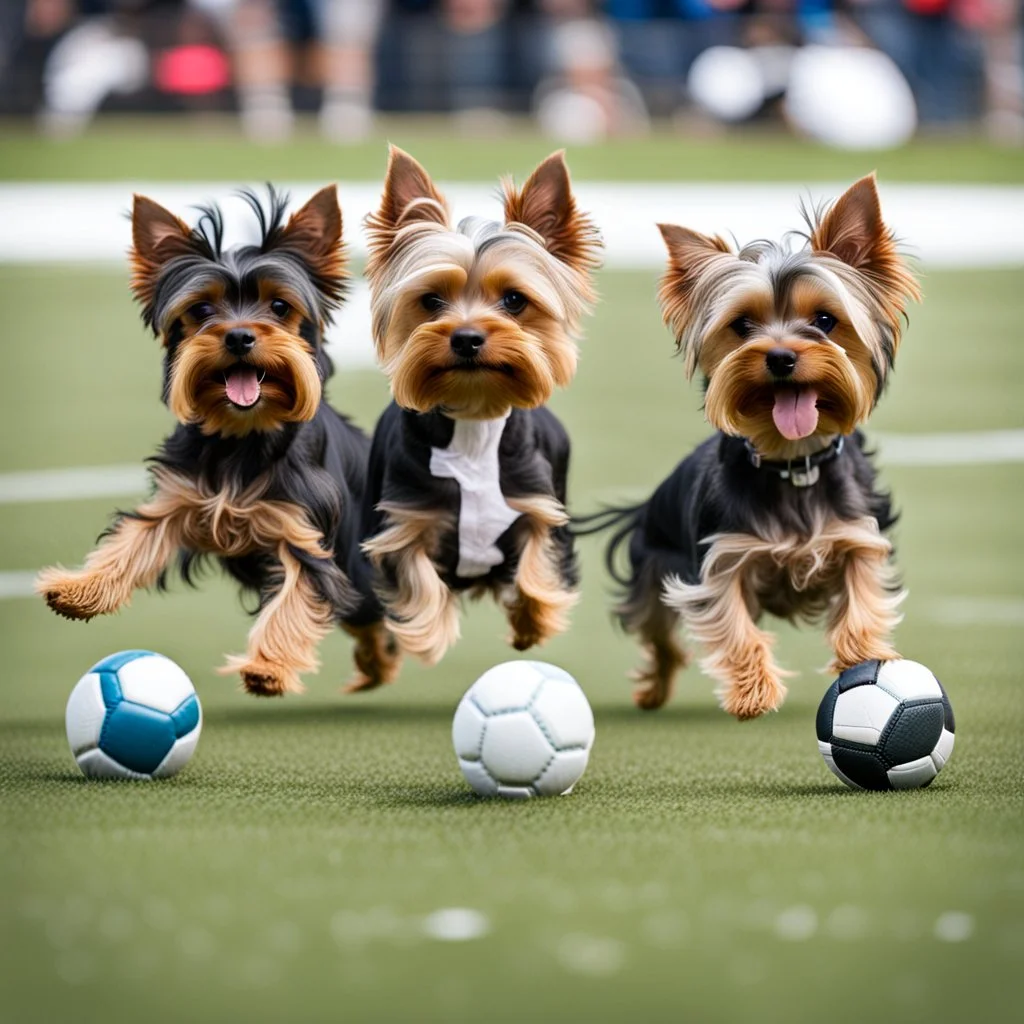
703,870
123,149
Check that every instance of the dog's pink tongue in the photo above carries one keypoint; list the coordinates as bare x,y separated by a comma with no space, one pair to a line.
796,412
242,386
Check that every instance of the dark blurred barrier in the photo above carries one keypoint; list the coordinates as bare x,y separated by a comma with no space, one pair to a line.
585,69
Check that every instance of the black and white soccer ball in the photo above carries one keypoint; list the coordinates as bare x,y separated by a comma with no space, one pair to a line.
886,725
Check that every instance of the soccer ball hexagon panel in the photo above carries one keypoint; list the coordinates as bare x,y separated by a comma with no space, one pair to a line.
133,715
886,725
524,728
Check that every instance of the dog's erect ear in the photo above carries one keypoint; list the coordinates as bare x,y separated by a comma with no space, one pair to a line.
689,254
316,227
157,236
409,198
314,231
546,205
409,194
852,230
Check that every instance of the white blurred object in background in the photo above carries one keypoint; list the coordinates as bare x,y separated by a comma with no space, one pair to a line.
85,67
850,98
728,83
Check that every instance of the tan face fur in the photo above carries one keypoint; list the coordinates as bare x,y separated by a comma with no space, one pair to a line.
520,288
795,346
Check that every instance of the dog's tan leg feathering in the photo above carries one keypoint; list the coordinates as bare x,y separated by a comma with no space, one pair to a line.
283,641
865,613
717,615
423,613
539,605
377,656
664,655
130,557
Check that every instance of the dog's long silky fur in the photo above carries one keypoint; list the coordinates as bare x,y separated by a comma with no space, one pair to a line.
716,521
273,493
520,288
728,535
411,521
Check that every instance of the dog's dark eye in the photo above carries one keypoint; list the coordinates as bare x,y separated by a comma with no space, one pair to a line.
201,311
825,322
279,308
432,302
742,326
514,302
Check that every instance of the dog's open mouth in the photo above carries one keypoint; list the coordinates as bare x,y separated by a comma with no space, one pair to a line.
242,385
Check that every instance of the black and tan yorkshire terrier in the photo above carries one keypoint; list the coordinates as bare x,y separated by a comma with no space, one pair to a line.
475,325
778,511
260,471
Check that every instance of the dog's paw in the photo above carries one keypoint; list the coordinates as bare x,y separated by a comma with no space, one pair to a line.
76,595
866,649
752,701
263,678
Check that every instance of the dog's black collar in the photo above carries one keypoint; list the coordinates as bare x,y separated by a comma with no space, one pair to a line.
799,472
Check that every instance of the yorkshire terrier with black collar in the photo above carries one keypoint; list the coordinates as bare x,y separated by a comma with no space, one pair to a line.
475,325
778,511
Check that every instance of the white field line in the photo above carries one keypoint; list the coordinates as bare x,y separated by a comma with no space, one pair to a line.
51,222
124,481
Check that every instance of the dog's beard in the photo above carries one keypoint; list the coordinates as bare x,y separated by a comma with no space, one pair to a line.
276,383
516,367
828,394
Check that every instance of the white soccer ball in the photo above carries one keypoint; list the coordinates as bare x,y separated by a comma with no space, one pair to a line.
134,715
886,725
523,729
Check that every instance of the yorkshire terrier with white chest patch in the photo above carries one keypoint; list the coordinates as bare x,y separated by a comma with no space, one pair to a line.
475,326
779,511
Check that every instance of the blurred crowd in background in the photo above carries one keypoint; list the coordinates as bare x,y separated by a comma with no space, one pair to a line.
850,72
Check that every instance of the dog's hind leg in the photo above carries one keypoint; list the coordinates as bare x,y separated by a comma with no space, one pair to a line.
377,656
645,614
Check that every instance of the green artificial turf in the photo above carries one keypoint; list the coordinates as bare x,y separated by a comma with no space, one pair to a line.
703,870
155,149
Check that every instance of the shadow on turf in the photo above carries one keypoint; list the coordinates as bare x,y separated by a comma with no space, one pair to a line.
351,710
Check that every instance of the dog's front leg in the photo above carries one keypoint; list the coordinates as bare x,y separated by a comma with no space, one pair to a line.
133,554
423,614
283,641
539,604
865,613
738,654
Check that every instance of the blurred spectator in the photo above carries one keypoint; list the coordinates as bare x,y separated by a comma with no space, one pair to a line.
588,69
325,43
587,95
940,57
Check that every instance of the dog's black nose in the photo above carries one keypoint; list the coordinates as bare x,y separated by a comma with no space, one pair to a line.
239,341
467,342
781,362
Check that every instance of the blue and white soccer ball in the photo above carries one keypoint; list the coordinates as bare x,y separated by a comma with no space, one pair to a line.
524,728
133,715
886,725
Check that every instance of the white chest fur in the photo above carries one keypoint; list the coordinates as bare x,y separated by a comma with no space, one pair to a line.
472,460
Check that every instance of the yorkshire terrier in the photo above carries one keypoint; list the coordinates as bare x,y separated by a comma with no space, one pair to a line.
475,325
779,511
260,471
